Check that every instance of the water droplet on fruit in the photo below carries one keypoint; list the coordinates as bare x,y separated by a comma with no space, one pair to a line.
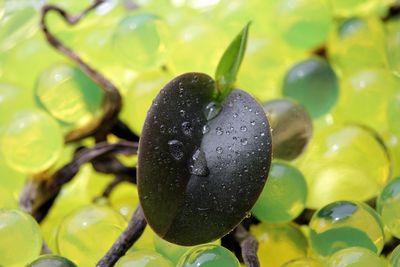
176,149
205,129
212,110
187,128
198,164
243,128
243,141
219,131
219,150
235,115
182,112
253,123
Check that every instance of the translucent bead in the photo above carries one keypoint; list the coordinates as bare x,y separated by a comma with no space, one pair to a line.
355,257
284,195
304,262
279,243
170,251
303,24
343,162
124,198
79,230
69,95
388,206
32,142
345,224
291,127
142,90
208,256
362,100
314,84
52,261
140,41
143,258
20,238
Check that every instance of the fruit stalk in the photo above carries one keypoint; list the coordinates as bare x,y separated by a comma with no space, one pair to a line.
112,102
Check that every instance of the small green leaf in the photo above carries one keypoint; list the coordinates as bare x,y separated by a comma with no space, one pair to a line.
229,64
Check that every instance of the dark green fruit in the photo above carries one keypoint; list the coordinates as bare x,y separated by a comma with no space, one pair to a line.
199,178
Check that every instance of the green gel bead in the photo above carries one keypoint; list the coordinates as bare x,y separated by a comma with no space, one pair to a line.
79,230
32,142
388,206
291,128
143,259
355,257
169,250
345,224
303,23
279,243
208,256
284,195
68,94
20,238
52,261
140,41
314,84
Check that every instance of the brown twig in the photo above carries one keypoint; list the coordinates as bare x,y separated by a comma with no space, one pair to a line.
112,102
249,246
39,194
131,234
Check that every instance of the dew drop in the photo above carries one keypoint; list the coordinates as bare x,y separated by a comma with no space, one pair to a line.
176,149
219,131
243,128
198,164
205,129
187,128
212,110
219,150
182,112
162,128
243,141
262,134
253,123
235,115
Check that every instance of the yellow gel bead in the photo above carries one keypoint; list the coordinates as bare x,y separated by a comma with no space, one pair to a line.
143,258
68,94
32,142
343,162
140,95
279,243
20,238
88,233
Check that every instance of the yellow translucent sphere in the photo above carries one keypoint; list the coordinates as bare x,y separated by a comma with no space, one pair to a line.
279,243
88,233
343,162
32,142
20,238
